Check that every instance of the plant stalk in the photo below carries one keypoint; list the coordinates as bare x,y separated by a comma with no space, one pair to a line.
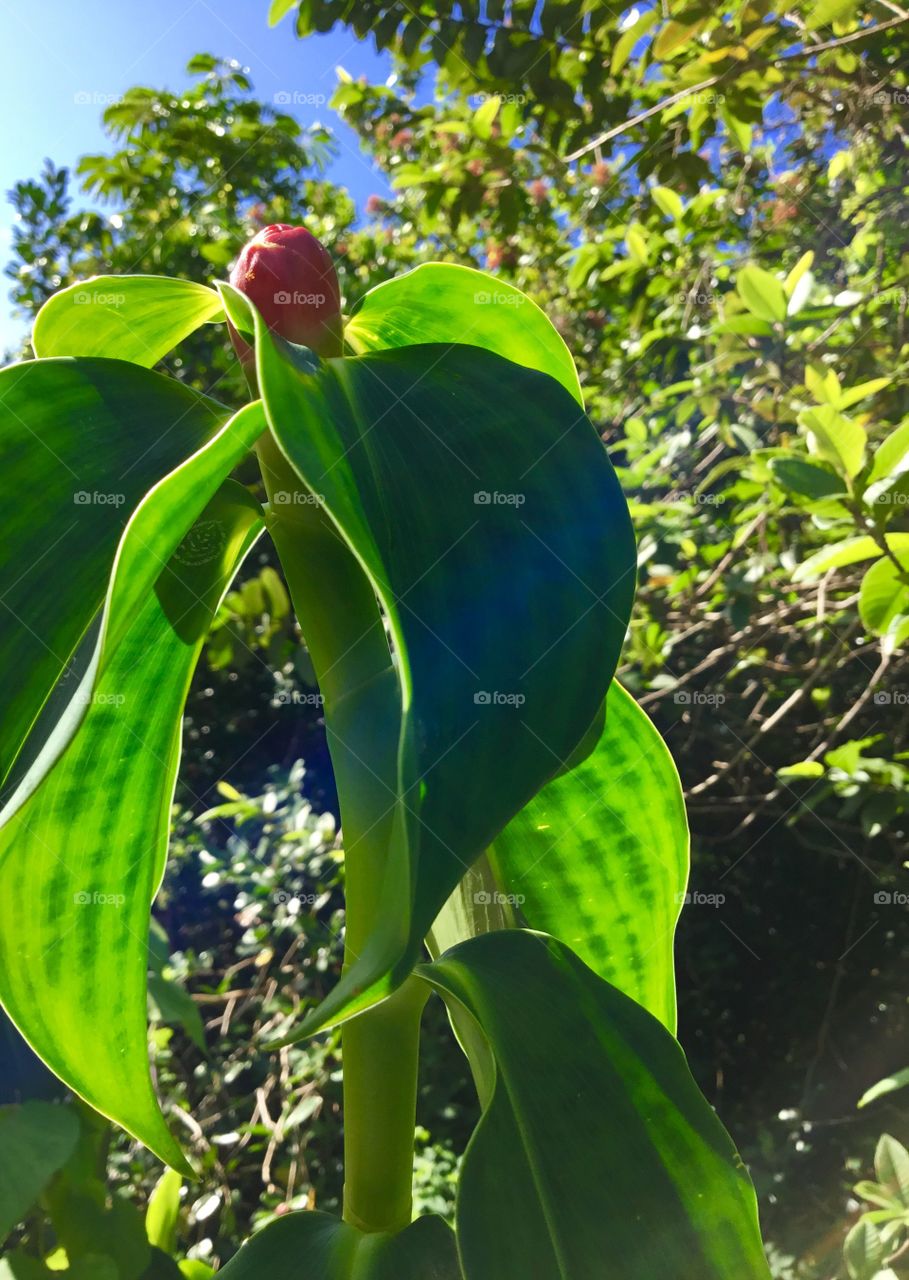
341,621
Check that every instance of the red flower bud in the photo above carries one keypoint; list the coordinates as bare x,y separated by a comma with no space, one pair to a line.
291,279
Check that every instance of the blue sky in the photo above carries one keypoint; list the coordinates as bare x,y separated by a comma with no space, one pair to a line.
61,60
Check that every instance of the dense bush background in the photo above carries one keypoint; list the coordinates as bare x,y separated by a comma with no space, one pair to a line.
655,181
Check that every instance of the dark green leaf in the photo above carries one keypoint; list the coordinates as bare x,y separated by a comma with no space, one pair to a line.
376,440
315,1246
36,1140
175,1005
597,1154
809,479
84,442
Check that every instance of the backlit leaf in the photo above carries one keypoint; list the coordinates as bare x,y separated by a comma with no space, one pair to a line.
89,871
135,318
442,302
599,858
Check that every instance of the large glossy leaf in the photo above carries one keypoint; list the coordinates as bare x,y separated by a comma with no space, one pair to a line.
81,856
442,302
135,318
36,1140
597,1155
83,442
315,1246
599,858
507,603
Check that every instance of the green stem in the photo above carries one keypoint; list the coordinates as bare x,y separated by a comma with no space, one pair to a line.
341,621
381,1058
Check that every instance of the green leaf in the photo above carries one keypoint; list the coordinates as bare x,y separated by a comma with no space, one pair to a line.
669,203
201,62
889,1084
135,318
176,1005
673,35
163,1211
849,551
626,42
802,769
441,302
800,269
800,294
484,116
863,1251
279,9
835,437
21,1266
823,384
762,294
852,395
826,12
599,858
91,1233
806,478
36,1140
315,1246
89,871
891,1164
883,597
637,246
596,1143
891,456
877,1195
740,130
85,441
512,455
163,1267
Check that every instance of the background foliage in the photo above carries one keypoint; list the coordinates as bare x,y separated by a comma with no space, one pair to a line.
709,202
